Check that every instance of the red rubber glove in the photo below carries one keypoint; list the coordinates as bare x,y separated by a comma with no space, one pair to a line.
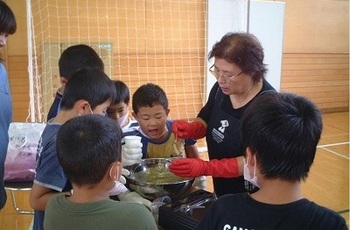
194,167
194,130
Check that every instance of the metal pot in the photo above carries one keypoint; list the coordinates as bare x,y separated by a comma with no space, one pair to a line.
151,178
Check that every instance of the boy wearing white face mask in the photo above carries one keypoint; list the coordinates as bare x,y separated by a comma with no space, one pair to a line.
89,151
119,109
89,91
280,133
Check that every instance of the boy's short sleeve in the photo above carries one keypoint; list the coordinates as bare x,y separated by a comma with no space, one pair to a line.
189,142
49,172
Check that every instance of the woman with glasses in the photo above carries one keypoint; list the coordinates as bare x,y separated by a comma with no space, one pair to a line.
240,73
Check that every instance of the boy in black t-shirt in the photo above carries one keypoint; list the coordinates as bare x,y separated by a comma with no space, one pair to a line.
280,132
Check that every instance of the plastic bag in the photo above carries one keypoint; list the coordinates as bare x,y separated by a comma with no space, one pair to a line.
21,152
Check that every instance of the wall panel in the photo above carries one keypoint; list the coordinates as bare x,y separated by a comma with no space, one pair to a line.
19,84
315,59
324,78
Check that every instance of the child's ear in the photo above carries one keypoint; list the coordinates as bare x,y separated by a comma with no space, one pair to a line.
63,80
115,170
249,154
82,107
167,112
79,105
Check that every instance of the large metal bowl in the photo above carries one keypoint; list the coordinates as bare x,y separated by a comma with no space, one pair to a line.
151,179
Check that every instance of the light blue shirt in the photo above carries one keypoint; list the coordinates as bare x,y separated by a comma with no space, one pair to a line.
5,120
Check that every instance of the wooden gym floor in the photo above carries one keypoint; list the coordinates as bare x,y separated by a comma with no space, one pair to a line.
327,184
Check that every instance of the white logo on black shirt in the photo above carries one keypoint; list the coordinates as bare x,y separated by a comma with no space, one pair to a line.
218,134
224,124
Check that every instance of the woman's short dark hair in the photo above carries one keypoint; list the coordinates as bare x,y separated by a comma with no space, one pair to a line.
244,50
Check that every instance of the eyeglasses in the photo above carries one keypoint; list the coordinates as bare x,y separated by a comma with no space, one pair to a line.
216,73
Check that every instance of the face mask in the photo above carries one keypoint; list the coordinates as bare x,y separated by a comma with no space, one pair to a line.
118,187
121,120
90,109
248,176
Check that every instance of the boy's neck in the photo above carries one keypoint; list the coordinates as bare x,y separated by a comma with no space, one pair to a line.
86,195
278,192
64,115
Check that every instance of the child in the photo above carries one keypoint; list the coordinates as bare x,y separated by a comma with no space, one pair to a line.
96,141
280,133
119,109
88,91
150,109
72,59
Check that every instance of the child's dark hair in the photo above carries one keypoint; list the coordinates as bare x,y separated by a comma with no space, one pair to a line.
8,23
149,95
283,131
89,84
77,57
87,146
122,93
